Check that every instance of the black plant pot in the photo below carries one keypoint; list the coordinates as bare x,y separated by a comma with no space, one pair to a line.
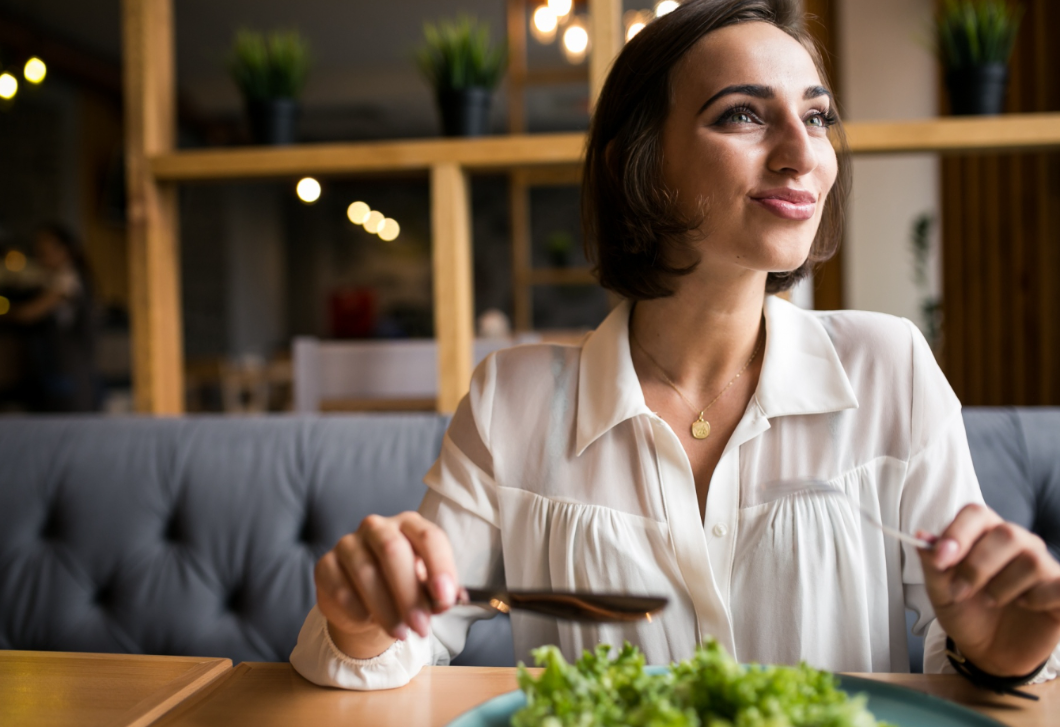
465,112
273,121
979,90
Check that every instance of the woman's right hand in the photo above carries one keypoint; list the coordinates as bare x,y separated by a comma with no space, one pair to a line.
384,579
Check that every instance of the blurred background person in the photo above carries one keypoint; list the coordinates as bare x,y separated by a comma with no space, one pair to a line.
60,327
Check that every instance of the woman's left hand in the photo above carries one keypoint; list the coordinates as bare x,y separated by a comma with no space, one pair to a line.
996,592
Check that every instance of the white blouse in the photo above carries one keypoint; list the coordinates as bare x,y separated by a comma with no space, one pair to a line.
555,474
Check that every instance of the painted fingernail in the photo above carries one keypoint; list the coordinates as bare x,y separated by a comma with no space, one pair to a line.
959,589
400,632
420,621
946,553
444,590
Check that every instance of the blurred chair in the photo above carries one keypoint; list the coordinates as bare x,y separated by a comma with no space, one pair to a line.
374,375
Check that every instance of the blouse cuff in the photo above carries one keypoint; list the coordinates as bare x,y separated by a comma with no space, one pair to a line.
318,659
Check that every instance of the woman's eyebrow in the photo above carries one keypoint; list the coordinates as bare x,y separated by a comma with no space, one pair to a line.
759,91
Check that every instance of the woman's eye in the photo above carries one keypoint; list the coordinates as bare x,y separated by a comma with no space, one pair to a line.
738,116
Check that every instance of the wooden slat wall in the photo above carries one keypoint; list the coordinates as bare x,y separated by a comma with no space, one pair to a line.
1001,247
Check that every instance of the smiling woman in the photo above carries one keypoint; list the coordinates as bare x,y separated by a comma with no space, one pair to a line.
638,461
658,122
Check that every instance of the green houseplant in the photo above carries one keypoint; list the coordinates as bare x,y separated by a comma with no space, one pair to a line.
270,71
975,40
464,67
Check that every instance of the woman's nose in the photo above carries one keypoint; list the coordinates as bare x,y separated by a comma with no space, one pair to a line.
792,149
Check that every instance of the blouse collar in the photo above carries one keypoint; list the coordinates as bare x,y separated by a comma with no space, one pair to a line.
801,372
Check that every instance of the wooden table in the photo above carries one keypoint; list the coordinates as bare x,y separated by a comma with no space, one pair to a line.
55,689
264,695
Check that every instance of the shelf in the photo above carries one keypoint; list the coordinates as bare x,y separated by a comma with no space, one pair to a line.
1013,132
483,153
1010,132
560,276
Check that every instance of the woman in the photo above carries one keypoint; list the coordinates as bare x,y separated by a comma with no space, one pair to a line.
640,460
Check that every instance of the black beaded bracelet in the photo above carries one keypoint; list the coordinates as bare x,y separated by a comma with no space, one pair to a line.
980,678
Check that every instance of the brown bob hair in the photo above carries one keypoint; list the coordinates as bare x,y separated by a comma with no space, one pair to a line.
631,223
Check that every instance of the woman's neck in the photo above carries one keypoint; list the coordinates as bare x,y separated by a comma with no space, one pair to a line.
700,336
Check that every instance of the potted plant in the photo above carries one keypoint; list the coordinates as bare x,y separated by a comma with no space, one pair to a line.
270,72
975,40
463,67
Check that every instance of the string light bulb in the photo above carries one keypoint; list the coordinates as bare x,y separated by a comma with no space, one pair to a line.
635,21
358,212
544,24
374,222
560,8
665,6
389,230
35,70
308,190
8,86
575,41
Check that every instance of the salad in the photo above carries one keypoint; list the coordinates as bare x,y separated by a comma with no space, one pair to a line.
709,690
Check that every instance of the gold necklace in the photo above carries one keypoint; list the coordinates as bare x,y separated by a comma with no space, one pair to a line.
700,427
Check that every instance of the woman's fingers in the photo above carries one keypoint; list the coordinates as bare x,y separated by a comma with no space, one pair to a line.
397,561
432,547
370,584
1001,547
957,539
1043,597
336,598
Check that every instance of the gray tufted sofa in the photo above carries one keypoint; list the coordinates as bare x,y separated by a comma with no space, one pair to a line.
198,536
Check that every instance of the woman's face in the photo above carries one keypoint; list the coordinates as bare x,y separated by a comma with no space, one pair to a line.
746,146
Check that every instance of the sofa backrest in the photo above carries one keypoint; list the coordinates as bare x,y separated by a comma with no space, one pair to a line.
197,536
188,536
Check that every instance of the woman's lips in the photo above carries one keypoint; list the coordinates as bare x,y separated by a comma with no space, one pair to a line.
788,204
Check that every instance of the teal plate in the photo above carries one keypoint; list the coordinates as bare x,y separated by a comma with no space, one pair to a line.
897,705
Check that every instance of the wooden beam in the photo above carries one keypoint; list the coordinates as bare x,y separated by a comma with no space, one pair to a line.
486,153
605,30
956,134
454,308
154,257
1009,132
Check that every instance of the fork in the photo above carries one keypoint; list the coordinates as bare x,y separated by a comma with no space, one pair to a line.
782,488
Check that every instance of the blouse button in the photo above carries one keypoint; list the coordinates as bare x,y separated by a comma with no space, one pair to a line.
720,530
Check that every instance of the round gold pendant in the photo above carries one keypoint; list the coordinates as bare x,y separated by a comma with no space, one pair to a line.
700,428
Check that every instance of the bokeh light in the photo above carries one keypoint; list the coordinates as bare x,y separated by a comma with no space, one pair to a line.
560,8
544,25
35,70
5,305
576,40
665,6
15,261
633,29
8,86
358,212
389,230
374,221
308,190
